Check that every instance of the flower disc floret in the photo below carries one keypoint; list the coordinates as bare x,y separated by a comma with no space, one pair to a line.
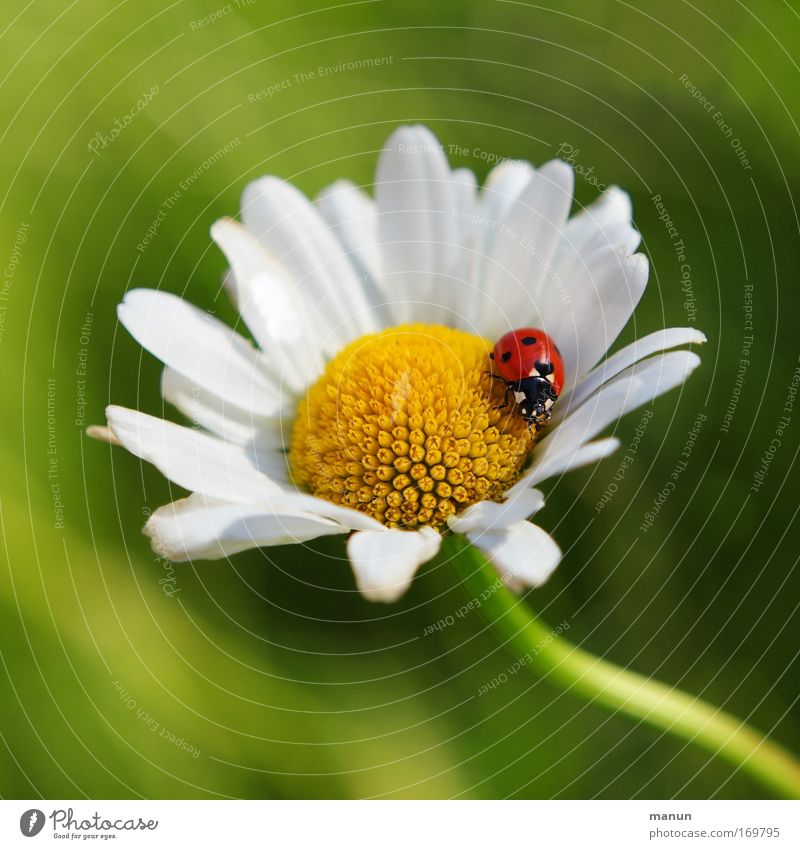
403,425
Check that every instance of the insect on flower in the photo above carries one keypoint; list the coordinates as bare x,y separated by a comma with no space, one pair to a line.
370,418
530,365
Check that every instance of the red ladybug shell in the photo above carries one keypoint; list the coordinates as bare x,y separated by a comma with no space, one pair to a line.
517,352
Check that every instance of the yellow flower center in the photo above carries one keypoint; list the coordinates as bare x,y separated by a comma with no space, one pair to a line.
404,426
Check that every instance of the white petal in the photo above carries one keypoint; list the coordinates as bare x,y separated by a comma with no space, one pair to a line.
661,340
292,230
558,464
192,459
489,515
385,561
201,348
353,218
347,517
614,400
465,199
540,218
465,189
418,227
523,554
503,186
291,500
212,413
602,297
211,467
264,439
612,211
604,223
198,528
522,251
275,314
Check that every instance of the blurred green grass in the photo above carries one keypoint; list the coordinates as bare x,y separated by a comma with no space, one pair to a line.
271,665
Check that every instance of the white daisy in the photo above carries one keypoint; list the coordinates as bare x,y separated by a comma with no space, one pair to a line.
364,409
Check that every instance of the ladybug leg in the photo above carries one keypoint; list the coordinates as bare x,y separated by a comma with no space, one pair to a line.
508,389
505,399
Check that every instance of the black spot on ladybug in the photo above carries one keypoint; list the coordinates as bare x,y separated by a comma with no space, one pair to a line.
506,356
544,368
529,340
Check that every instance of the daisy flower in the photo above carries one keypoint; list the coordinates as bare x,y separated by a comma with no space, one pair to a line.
362,406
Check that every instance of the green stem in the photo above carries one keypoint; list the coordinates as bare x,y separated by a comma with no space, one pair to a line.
601,682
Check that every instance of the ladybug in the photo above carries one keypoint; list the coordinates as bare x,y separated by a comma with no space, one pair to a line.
530,365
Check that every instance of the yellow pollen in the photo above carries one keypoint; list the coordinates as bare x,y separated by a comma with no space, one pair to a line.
403,426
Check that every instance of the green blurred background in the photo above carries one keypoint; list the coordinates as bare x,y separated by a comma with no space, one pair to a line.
268,676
